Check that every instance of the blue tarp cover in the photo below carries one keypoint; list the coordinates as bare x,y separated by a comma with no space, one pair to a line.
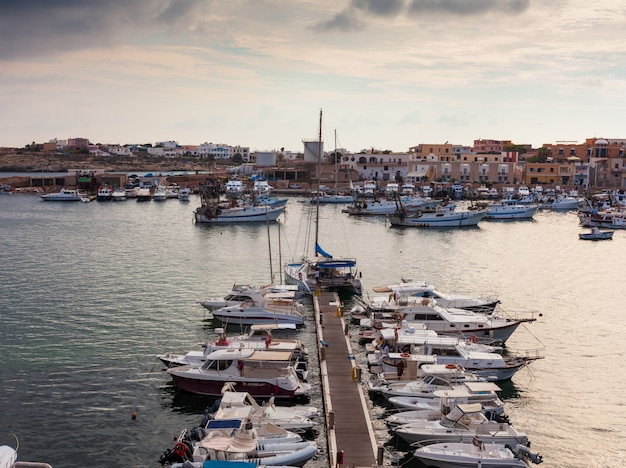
224,424
228,464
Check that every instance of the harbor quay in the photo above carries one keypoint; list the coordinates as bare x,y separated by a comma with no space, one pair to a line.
351,438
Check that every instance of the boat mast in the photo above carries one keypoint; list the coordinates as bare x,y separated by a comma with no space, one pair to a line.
317,204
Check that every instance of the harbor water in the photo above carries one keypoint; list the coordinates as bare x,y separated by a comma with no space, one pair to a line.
91,292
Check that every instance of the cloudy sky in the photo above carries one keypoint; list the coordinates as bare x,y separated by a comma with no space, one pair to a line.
388,74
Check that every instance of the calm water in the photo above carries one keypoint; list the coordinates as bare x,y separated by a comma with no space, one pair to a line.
91,292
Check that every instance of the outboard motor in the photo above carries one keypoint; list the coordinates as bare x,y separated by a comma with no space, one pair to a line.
524,452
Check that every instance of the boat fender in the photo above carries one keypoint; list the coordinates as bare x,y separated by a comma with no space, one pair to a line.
473,339
300,276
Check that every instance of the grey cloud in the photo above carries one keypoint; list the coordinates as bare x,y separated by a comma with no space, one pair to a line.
379,7
41,27
466,7
356,12
344,21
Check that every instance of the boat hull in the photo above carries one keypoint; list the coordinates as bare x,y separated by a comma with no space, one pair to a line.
242,215
255,387
439,220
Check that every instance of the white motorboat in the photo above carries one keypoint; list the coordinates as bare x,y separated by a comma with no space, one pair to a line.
235,187
488,365
409,287
475,454
104,193
462,424
237,443
241,405
263,374
184,194
562,202
247,313
510,209
446,321
64,195
377,207
261,188
119,194
596,234
238,214
160,194
143,194
241,293
440,218
321,197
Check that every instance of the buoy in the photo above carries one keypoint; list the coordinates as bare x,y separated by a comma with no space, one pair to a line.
133,415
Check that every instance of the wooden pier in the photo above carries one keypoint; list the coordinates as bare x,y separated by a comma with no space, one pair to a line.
351,439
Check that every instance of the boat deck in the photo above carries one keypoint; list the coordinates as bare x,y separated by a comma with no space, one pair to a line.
348,424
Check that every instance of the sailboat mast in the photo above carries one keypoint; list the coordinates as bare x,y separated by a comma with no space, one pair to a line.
317,204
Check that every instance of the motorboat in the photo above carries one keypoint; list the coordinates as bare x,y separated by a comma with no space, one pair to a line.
64,195
475,454
235,187
378,207
246,313
447,321
261,187
410,287
440,218
562,202
299,353
510,209
489,365
241,405
184,194
263,374
238,214
462,424
160,194
143,194
237,443
596,234
241,293
119,194
321,197
104,193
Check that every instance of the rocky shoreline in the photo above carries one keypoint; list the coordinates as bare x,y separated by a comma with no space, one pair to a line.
20,161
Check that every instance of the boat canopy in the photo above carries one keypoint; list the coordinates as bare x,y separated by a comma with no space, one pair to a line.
337,264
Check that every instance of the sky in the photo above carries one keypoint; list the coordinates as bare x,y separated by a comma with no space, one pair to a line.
387,74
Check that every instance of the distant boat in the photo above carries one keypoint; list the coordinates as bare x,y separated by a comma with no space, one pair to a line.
511,209
64,195
440,218
596,234
119,194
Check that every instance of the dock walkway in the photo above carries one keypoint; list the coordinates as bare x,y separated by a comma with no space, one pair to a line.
348,423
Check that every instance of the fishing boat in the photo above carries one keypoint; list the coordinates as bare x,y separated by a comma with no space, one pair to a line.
323,271
440,218
212,214
511,209
596,234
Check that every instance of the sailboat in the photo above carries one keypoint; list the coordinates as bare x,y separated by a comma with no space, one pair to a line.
323,271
